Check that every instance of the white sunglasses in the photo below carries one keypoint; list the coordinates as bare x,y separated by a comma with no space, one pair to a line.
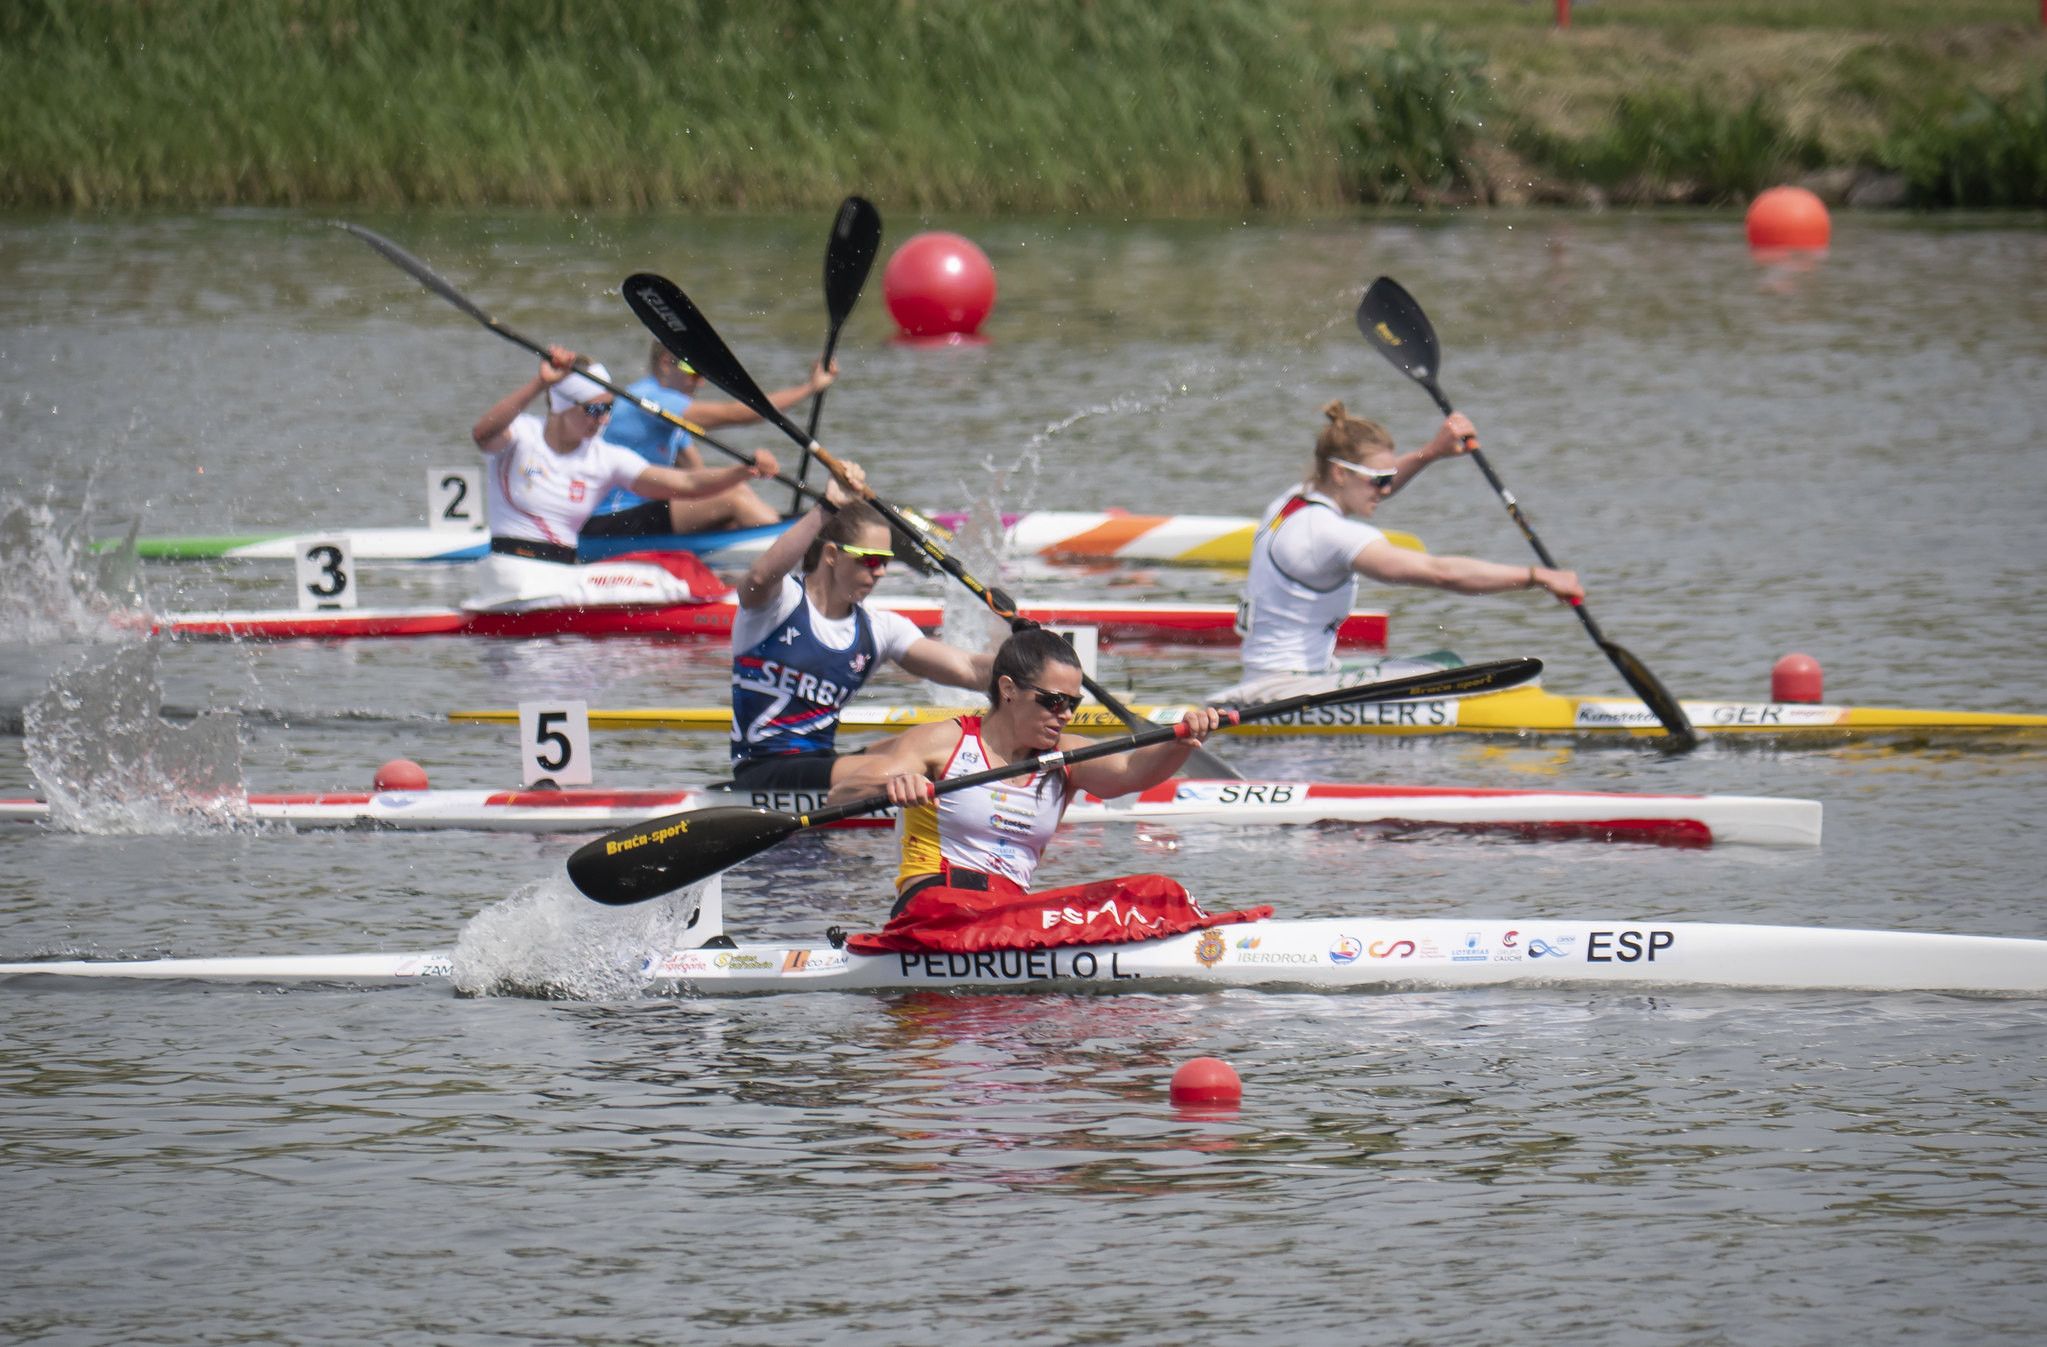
1380,477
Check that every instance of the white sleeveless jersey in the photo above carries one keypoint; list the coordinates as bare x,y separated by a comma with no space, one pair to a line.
1001,827
531,492
1301,586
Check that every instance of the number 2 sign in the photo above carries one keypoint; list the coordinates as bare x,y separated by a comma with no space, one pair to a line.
454,500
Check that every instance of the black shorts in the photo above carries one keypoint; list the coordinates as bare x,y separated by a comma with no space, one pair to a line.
786,771
791,783
650,519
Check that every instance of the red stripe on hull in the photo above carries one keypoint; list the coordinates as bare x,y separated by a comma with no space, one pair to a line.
1134,622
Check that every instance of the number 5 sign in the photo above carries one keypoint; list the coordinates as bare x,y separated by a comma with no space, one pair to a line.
554,742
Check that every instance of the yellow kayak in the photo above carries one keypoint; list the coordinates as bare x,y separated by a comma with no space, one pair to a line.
1523,710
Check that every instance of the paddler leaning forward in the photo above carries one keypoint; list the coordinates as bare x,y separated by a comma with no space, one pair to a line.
1313,543
801,647
543,478
968,856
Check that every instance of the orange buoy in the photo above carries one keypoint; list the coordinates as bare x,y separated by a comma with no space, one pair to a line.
937,285
1789,217
1206,1080
1796,678
400,774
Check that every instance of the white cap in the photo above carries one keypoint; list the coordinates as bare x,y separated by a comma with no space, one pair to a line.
577,389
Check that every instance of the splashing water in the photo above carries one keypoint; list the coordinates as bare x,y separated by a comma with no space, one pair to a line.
982,545
109,763
549,941
55,588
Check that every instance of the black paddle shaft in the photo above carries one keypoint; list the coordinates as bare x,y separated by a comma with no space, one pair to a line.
1394,323
433,281
680,326
632,865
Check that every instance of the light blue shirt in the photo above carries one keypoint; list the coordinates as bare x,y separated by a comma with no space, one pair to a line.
648,436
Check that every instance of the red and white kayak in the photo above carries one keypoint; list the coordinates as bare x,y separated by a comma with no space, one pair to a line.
1165,623
1682,820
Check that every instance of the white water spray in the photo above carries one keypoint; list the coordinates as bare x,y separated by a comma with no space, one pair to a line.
108,762
547,940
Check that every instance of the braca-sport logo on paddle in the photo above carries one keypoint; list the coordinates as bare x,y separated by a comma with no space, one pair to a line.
633,841
622,868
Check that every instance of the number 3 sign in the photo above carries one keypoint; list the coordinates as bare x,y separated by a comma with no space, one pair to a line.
554,742
326,574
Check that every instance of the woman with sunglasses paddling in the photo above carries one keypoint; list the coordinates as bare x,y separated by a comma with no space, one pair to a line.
543,478
968,857
673,385
802,648
1314,542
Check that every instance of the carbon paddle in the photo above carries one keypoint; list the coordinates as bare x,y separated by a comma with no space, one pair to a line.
677,323
848,257
649,859
1394,323
427,277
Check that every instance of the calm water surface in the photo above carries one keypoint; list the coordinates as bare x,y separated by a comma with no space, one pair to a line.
1741,459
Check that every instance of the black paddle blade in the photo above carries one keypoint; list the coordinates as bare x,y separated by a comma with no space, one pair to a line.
674,851
667,312
1390,319
1465,680
856,238
1679,736
418,270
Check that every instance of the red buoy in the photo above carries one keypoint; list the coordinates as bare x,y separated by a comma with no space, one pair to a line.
400,774
1206,1080
1789,217
938,285
1796,678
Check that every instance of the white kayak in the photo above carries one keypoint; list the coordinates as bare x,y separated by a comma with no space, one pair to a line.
1109,535
1684,820
1367,953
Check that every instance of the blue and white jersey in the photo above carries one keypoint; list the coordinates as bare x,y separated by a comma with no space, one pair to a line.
793,670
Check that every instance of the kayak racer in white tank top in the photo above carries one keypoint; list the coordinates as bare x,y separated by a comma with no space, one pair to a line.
1314,542
968,856
542,479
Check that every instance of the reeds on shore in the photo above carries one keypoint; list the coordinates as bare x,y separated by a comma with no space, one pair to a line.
1084,105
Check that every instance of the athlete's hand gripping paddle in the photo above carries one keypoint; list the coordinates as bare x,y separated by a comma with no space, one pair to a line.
677,323
1395,325
649,859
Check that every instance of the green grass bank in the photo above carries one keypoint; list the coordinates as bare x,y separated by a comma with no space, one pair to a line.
1153,106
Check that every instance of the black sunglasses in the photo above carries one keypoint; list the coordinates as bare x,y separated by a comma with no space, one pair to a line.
595,408
1058,703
